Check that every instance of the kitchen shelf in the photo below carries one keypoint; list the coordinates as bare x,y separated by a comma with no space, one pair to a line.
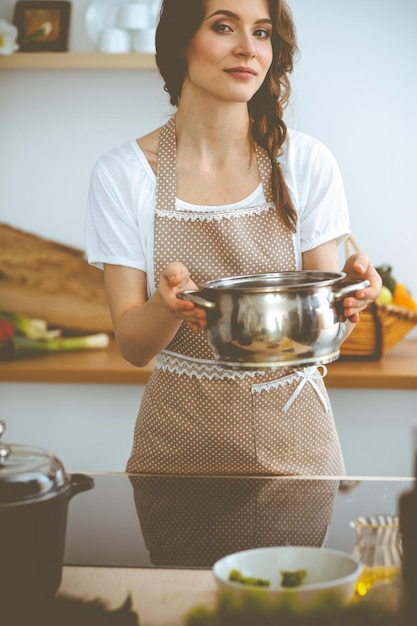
77,61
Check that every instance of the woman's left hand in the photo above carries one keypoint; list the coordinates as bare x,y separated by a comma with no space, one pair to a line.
359,267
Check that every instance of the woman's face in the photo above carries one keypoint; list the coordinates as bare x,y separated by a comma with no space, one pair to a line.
230,54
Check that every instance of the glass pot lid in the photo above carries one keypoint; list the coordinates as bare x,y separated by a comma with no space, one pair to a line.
28,473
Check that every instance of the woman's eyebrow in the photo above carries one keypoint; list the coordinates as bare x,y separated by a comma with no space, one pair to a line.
235,16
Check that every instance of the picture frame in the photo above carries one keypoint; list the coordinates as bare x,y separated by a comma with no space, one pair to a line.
42,25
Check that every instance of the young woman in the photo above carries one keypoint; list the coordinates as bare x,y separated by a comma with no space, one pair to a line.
222,189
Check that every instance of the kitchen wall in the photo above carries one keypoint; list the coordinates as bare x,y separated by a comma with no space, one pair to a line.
354,87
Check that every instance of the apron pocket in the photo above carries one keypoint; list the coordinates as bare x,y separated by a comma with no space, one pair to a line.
293,423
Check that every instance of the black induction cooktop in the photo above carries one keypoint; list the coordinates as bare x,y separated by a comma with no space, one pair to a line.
174,521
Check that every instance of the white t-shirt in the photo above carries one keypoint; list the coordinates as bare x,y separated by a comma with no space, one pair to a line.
121,203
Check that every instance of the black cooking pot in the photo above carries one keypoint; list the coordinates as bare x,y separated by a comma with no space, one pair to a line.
34,494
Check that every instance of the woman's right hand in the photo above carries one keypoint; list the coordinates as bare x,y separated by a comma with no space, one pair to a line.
176,278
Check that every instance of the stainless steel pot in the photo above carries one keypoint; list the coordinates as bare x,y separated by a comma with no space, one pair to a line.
267,321
35,492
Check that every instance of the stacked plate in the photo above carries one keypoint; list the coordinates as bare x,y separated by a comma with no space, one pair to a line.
120,26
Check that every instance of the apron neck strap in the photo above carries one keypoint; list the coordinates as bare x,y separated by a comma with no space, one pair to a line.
166,172
166,167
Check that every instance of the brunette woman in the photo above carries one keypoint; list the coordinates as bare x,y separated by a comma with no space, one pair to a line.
223,189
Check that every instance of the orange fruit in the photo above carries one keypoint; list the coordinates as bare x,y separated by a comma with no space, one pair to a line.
402,297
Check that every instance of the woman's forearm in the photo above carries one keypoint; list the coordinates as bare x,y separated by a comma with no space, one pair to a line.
143,327
145,330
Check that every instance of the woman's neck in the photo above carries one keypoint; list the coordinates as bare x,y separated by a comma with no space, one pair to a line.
216,163
214,133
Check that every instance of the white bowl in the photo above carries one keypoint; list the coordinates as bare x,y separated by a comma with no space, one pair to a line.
328,572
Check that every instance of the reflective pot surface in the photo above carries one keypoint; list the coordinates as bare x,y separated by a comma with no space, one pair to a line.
267,321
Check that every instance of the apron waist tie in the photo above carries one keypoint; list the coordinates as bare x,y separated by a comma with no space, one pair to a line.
307,375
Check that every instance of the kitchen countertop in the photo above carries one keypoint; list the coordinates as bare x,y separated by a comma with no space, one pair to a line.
156,538
159,597
397,369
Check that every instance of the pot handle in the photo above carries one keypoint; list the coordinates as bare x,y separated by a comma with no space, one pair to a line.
193,296
349,288
80,482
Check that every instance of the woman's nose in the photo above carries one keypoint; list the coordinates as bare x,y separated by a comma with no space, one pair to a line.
245,46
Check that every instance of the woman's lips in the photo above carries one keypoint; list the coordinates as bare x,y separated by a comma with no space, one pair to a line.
244,73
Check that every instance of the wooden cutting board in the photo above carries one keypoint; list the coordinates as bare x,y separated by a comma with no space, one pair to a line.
51,281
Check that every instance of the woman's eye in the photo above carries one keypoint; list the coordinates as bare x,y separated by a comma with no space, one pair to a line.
262,33
222,28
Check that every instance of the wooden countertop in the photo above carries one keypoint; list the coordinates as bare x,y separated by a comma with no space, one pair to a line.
397,369
159,597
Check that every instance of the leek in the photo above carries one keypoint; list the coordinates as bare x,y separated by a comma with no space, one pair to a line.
28,326
23,347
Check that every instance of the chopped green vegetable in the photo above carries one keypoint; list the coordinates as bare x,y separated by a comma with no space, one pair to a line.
292,579
237,577
262,610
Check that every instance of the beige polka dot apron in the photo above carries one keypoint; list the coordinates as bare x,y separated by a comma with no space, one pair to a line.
198,416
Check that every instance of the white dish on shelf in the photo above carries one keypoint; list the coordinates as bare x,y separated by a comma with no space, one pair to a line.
100,15
114,40
134,16
144,41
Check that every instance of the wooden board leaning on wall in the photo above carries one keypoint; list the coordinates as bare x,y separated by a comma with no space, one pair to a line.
51,281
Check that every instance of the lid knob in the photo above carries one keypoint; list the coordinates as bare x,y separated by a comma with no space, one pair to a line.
4,450
4,453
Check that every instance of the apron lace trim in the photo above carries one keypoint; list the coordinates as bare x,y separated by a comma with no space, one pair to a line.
180,364
307,374
214,214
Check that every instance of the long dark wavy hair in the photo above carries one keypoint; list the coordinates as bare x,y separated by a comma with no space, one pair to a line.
178,22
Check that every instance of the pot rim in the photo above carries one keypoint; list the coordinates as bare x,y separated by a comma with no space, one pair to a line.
274,282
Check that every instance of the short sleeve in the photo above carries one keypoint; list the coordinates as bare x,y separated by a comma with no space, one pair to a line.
118,208
316,185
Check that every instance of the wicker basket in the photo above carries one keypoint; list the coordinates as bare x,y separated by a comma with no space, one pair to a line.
381,326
